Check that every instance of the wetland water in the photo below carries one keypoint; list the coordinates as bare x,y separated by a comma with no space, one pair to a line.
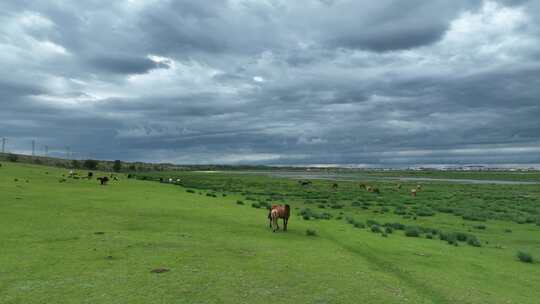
360,176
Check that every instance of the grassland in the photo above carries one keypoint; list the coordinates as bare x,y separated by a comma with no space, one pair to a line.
78,242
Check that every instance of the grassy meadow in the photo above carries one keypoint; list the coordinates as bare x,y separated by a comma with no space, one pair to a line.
205,239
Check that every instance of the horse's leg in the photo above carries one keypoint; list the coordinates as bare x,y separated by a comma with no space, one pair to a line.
274,224
285,221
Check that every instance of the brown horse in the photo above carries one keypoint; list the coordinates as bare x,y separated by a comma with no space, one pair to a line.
277,212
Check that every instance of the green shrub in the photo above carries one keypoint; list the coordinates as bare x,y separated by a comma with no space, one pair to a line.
265,205
372,222
239,202
190,191
376,229
525,257
462,237
395,226
400,210
359,225
412,231
473,241
480,227
311,232
424,211
388,230
445,210
255,205
451,238
306,214
474,216
325,216
520,220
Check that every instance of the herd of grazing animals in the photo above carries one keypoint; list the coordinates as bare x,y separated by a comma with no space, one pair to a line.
103,180
276,211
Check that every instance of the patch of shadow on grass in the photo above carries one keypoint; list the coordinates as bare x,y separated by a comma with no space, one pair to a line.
160,245
387,267
61,239
160,270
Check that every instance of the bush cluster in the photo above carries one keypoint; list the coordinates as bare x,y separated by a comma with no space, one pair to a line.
525,257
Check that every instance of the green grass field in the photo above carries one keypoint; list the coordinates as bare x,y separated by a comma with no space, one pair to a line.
79,242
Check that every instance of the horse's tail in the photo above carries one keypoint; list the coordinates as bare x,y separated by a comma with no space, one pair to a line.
287,210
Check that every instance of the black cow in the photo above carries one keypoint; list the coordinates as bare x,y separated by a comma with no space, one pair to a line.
103,180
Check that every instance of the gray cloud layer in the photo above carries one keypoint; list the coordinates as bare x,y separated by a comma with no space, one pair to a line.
283,82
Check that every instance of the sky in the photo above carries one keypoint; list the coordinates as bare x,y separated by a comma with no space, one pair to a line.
387,82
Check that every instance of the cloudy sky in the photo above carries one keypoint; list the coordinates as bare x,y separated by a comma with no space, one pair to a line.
387,82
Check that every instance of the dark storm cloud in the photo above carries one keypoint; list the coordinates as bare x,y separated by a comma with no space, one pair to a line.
12,90
334,81
124,64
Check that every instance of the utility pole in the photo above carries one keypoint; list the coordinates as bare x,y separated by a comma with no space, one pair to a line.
46,150
33,147
4,140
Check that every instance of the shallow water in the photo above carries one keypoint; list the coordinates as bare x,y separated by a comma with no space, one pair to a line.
359,176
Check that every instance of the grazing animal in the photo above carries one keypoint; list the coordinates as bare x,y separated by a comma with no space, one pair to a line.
334,186
398,186
160,179
418,187
375,190
369,189
413,192
277,212
90,175
362,186
115,178
103,180
304,183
